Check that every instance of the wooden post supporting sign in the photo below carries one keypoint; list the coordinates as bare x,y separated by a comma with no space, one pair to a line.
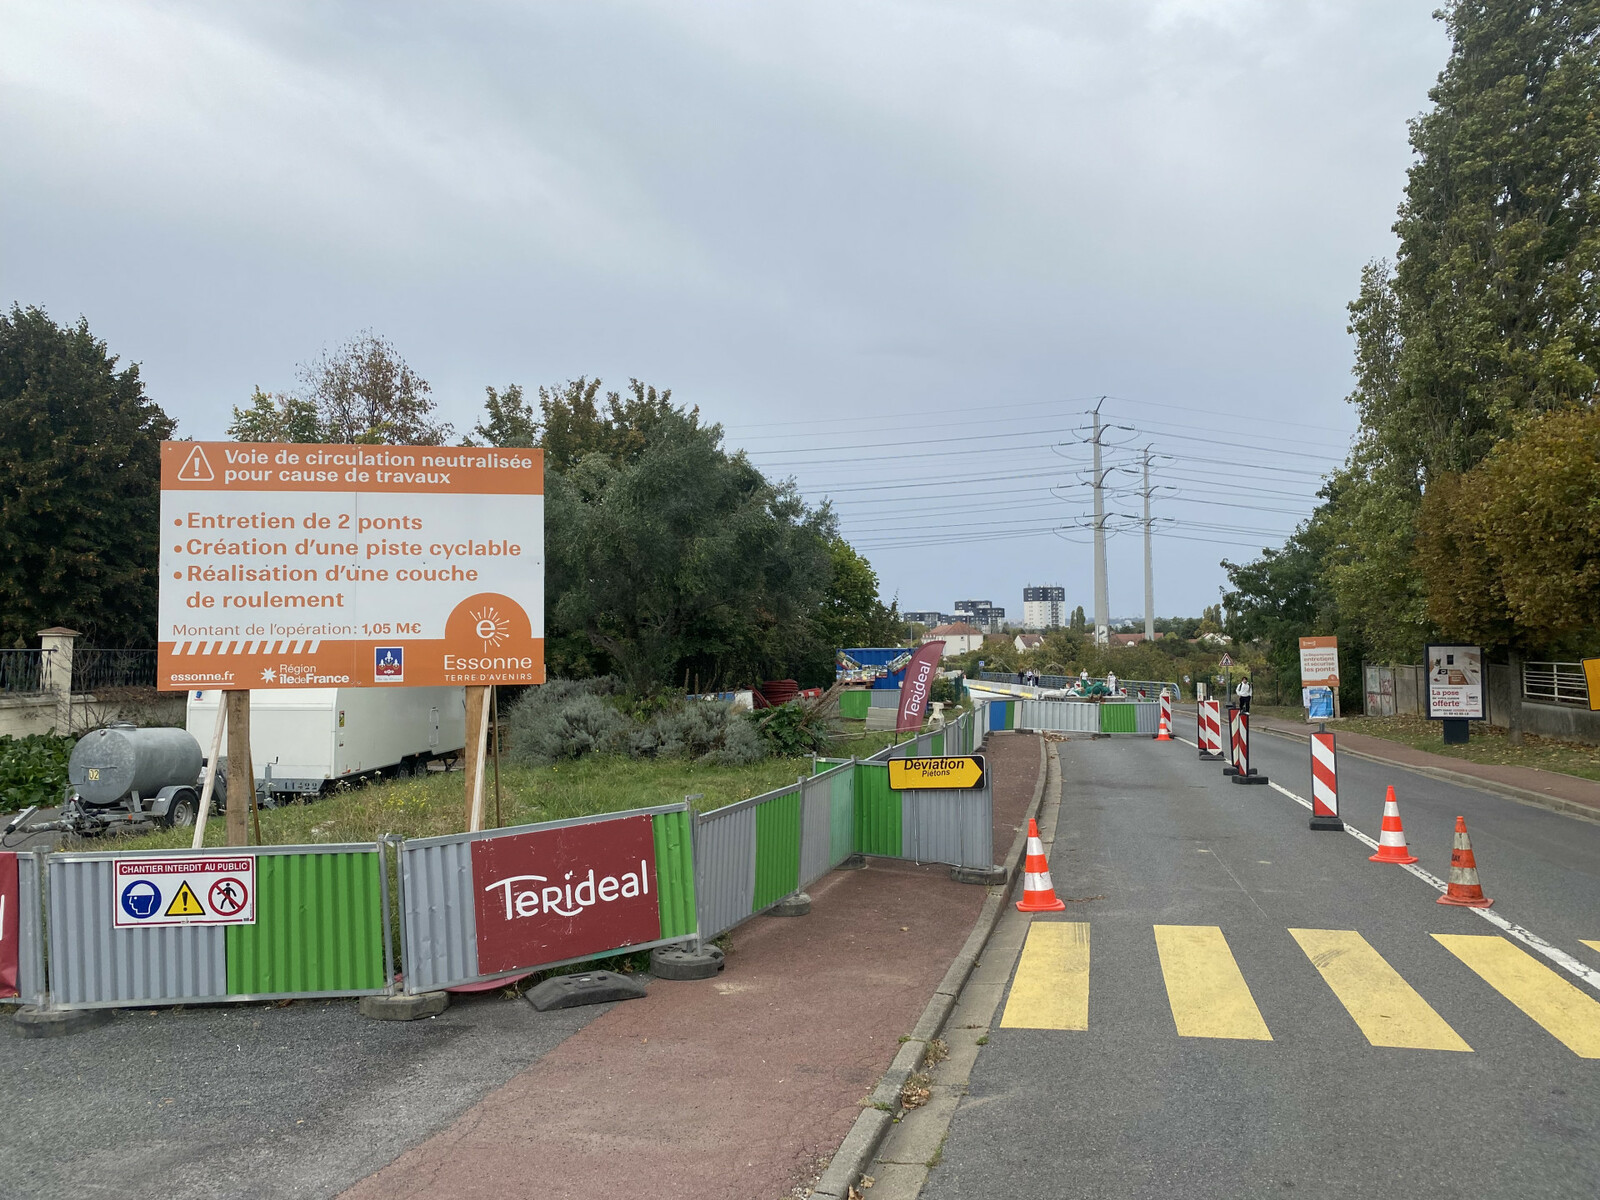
241,771
476,752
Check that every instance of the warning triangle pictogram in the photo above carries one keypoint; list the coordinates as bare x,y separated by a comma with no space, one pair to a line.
196,468
185,903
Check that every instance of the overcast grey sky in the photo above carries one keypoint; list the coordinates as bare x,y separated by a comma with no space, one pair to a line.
898,249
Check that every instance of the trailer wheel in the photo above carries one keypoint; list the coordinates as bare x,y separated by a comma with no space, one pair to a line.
184,809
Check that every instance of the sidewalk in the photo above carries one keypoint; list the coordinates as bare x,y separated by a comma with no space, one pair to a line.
741,1086
1564,793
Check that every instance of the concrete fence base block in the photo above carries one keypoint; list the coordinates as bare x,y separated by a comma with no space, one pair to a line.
983,876
58,1022
685,962
404,1008
797,905
856,862
591,987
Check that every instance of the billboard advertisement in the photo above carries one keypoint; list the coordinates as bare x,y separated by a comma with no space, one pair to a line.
288,566
1455,683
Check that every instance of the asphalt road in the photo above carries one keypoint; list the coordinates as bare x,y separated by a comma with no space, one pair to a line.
269,1102
1147,1101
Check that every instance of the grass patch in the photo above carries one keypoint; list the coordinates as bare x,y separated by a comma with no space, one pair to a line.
1487,745
435,804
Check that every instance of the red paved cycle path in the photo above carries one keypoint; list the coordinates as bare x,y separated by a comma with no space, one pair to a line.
742,1086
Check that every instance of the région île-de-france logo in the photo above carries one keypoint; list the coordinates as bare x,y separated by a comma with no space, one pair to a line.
491,627
389,663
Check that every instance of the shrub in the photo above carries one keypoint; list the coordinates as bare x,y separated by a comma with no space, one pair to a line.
33,770
708,732
564,719
795,728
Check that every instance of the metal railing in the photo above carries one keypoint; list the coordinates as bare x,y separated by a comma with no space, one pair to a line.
23,671
1152,687
95,669
1555,682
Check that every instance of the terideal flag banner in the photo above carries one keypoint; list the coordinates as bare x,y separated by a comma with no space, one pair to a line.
555,894
10,924
914,691
289,566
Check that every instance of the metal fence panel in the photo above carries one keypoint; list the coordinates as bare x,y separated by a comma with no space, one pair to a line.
319,926
724,868
30,927
816,830
95,965
841,814
674,837
878,812
955,827
438,914
1147,716
883,697
1059,716
777,847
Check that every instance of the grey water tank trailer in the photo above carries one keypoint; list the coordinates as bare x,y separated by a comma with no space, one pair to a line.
125,776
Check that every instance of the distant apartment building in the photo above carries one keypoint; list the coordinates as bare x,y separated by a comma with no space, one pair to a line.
930,619
1044,607
981,613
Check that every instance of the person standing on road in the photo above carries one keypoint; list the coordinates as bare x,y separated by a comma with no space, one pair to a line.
1243,693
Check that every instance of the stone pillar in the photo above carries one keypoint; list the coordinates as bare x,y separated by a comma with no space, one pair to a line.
55,674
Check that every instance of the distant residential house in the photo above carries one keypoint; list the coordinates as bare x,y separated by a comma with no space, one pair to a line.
958,637
1214,639
1028,641
1131,639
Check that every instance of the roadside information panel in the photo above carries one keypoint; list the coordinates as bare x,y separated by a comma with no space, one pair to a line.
203,890
1455,682
288,566
934,774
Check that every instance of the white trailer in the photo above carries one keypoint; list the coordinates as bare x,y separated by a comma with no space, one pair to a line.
302,739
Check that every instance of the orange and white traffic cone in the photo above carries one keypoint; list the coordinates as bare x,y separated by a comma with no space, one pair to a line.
1038,893
1392,838
1464,888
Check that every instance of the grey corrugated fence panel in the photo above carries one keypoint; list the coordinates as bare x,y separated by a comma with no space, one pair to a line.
438,909
816,828
438,915
725,867
1147,714
883,698
30,927
94,964
1059,716
1052,682
955,827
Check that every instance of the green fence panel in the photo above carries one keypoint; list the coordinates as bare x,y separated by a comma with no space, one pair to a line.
842,816
937,749
674,873
854,704
1119,718
877,811
319,926
777,849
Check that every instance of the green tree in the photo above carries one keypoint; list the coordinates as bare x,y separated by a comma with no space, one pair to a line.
365,392
276,418
852,614
1511,549
80,461
508,419
683,560
1079,620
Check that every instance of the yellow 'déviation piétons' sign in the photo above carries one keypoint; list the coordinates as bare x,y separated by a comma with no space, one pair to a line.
923,774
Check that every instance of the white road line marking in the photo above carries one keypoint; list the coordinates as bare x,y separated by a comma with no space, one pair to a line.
1527,937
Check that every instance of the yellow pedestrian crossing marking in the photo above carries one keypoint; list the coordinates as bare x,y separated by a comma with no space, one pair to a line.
1208,994
1386,1007
1051,986
1570,1016
1591,945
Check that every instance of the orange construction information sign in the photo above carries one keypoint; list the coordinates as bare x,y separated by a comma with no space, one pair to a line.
289,566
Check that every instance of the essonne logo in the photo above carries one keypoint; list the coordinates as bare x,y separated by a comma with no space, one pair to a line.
568,899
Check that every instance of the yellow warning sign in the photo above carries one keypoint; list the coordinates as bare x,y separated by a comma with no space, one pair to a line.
186,903
907,774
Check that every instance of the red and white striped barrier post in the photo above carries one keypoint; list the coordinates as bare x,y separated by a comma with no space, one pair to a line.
1231,752
1210,738
1245,772
1324,783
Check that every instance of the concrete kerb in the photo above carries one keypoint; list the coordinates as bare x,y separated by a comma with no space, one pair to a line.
855,1154
1566,808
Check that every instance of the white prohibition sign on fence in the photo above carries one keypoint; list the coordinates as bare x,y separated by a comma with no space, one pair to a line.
204,890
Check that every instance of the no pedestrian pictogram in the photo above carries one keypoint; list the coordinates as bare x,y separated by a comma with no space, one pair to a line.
228,896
